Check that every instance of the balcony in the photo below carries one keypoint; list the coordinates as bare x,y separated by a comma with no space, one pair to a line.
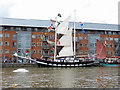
46,47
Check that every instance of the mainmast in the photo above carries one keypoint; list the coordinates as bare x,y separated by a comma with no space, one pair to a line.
74,34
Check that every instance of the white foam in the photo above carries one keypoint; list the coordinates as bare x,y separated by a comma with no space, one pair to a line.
21,70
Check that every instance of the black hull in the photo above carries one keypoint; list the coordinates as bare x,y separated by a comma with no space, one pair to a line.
44,63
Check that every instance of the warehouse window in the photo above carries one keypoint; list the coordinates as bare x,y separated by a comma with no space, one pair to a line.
81,52
14,44
35,29
102,32
111,45
111,52
1,35
11,28
1,28
14,37
51,51
52,36
86,52
114,33
118,33
6,43
39,44
13,52
109,33
39,51
29,29
107,52
39,36
18,29
107,45
33,36
106,38
1,43
33,43
81,44
6,51
80,38
86,45
86,38
111,39
0,51
7,35
33,51
116,39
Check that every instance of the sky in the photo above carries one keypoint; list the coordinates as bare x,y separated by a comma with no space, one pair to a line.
93,11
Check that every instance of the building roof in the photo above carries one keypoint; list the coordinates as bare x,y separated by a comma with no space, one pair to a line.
47,23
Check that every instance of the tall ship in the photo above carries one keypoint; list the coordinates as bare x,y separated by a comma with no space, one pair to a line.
64,50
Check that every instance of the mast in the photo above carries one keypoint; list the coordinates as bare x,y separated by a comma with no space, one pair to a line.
74,34
55,41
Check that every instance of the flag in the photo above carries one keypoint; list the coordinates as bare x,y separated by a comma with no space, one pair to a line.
83,30
59,14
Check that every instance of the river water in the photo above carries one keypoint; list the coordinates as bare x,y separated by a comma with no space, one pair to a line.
80,77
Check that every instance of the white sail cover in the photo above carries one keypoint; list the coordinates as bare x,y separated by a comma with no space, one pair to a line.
63,27
67,50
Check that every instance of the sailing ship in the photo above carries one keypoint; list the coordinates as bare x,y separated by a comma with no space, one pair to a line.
101,54
64,57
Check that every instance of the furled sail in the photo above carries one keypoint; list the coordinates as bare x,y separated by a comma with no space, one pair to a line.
63,27
100,50
67,50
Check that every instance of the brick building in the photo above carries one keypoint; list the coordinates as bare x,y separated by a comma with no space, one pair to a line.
19,35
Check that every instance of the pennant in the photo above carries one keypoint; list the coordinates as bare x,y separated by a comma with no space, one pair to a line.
50,27
83,30
37,43
42,38
45,33
81,24
52,24
32,47
59,14
28,50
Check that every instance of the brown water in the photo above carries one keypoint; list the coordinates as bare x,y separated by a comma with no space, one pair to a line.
81,77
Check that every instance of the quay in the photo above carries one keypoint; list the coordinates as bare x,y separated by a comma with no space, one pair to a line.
17,65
